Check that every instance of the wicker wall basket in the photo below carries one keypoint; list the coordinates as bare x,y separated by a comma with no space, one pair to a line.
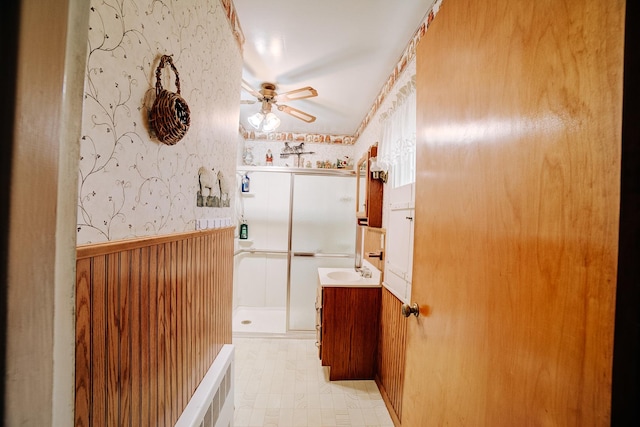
169,117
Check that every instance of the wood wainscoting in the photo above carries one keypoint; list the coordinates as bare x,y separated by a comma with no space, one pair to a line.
391,354
151,316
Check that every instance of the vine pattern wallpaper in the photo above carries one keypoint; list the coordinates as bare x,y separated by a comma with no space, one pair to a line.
130,184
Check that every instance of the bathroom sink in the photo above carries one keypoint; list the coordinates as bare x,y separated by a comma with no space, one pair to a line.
344,276
349,276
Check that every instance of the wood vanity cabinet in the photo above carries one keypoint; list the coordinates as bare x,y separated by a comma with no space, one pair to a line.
368,192
319,320
348,330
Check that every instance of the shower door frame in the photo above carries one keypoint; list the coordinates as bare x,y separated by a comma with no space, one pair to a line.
293,171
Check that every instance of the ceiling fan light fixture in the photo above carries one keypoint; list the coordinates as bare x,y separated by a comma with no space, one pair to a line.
267,121
256,119
271,122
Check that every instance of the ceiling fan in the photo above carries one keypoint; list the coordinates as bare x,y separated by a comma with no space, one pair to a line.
268,96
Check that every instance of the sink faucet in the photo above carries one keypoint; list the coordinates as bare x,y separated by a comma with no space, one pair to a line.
365,272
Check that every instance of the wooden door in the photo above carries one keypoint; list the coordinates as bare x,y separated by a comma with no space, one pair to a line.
517,198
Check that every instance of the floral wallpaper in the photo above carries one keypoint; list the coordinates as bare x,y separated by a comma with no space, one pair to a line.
130,184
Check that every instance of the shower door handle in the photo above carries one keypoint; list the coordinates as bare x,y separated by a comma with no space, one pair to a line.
309,254
322,254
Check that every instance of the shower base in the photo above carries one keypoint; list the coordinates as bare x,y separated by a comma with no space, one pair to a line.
260,322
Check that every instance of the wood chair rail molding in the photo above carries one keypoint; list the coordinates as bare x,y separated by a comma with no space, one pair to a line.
96,249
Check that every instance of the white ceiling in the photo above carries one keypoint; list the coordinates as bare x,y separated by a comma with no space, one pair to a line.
345,49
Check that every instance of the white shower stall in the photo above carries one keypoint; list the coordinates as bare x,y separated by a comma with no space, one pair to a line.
298,220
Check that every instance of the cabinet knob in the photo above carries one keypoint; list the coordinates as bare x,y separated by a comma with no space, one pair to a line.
408,310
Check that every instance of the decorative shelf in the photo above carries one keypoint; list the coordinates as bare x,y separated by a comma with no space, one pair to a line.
296,170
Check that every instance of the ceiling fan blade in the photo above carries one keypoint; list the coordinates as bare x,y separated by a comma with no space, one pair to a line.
248,101
297,113
246,86
302,93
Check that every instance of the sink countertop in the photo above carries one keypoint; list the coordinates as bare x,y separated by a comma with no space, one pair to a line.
364,282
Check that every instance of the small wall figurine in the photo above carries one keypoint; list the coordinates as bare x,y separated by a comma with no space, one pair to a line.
217,186
247,157
223,184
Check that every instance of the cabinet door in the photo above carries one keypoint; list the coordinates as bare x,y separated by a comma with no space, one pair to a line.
350,336
368,192
375,189
399,257
361,187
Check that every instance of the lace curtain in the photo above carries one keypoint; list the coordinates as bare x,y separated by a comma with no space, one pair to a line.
397,148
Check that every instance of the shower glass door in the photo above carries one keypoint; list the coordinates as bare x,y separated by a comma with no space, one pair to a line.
323,228
261,261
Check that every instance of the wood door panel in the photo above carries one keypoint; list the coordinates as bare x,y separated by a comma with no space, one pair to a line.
517,190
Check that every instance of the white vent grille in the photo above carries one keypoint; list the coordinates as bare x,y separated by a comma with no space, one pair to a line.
212,403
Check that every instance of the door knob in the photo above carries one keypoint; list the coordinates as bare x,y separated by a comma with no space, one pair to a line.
408,310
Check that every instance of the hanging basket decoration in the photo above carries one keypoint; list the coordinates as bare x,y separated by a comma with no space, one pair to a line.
170,116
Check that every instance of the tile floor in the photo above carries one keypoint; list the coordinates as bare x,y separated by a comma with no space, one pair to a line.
280,382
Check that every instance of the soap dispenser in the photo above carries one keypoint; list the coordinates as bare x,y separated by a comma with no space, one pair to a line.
245,183
244,230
